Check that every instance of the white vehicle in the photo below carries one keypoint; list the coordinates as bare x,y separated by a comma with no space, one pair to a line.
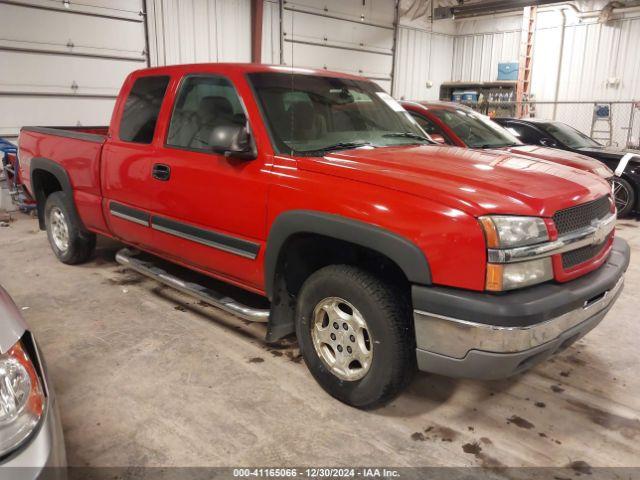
31,441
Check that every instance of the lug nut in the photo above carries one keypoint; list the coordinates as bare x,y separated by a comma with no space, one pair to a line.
335,325
333,336
345,326
340,348
352,338
349,349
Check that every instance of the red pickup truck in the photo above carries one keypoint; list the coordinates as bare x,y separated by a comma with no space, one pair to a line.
379,249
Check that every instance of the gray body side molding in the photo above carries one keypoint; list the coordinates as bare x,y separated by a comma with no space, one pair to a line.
403,252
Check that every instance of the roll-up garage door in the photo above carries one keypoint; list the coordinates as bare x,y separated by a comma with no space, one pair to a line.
63,62
352,36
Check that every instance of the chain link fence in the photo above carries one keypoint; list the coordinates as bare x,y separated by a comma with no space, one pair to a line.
615,124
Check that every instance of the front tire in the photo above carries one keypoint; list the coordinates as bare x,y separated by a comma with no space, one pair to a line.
624,196
355,335
70,242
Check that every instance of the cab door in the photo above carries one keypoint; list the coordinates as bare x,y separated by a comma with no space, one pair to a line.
127,157
208,210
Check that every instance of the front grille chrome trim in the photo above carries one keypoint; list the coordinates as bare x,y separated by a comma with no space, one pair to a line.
594,234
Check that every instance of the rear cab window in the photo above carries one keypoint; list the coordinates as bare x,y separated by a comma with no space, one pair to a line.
141,109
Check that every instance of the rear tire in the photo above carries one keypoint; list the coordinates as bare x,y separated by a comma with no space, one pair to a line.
70,242
369,358
624,195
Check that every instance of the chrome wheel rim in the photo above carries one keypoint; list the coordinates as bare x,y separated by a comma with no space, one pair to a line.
621,195
341,338
59,229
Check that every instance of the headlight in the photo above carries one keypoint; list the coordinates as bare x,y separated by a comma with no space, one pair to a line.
503,231
603,171
507,276
21,398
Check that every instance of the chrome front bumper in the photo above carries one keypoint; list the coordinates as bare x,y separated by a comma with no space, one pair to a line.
479,335
44,456
455,338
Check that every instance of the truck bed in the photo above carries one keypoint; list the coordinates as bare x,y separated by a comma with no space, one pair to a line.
91,134
77,151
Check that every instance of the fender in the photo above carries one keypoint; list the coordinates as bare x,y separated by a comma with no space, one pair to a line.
403,252
47,165
624,161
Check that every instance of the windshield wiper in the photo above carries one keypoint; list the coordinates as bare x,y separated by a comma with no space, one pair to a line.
339,146
408,135
491,145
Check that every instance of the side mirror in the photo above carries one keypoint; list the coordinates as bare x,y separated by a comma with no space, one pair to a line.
436,137
547,142
232,141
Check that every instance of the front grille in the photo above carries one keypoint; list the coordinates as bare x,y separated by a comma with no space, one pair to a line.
580,216
581,255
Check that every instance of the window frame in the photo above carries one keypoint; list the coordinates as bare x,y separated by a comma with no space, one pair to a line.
124,107
181,84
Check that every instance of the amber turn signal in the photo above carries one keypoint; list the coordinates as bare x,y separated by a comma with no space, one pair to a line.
490,232
494,277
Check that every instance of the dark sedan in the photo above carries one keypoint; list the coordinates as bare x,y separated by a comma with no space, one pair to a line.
626,183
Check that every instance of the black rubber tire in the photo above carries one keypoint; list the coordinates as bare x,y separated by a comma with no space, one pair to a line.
388,316
82,243
631,195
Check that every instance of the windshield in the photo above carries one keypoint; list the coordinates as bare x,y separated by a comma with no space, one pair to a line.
475,130
571,137
310,115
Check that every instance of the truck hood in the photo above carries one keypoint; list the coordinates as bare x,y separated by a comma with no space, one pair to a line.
563,157
476,182
12,325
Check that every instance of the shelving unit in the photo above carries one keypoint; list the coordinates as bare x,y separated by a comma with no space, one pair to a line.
496,89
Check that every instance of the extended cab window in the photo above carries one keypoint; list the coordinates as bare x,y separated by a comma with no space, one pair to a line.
141,109
203,104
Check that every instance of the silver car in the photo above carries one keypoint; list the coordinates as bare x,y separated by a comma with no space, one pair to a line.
31,441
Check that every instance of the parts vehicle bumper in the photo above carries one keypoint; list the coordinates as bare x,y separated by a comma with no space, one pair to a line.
44,456
488,336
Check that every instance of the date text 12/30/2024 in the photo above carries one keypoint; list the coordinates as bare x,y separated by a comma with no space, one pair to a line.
315,473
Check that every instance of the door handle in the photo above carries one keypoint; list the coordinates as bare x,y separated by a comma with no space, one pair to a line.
161,171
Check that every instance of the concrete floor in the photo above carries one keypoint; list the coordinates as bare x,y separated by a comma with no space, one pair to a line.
146,376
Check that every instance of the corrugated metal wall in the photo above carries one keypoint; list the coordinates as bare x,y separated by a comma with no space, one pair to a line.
481,44
592,53
421,57
193,31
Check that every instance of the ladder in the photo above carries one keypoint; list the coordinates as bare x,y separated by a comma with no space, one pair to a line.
523,86
601,125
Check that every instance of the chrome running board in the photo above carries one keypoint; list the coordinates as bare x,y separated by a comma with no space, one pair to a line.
126,258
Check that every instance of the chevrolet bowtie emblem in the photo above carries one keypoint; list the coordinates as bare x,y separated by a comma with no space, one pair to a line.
601,232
